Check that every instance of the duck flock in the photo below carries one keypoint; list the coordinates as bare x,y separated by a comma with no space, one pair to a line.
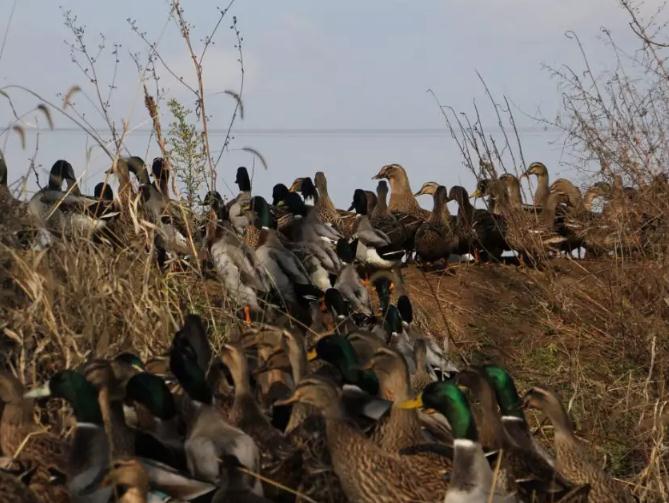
325,390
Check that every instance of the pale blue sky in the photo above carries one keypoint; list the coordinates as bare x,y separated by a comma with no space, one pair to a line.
312,64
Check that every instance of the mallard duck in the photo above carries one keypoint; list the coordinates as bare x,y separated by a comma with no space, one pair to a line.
89,448
481,232
66,212
437,238
402,427
402,199
236,265
543,189
374,247
287,275
210,437
280,460
367,473
338,352
572,457
348,281
237,207
472,478
402,203
325,208
381,217
171,218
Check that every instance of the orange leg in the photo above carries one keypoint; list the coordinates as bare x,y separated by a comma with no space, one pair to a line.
247,315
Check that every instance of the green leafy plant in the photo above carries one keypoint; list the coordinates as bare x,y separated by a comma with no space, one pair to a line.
187,152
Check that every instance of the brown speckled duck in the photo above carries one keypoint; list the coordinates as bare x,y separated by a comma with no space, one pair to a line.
366,472
572,457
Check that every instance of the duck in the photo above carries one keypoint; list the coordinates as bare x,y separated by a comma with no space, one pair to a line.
174,236
287,275
481,232
210,437
402,199
235,264
338,351
381,217
349,283
402,427
89,450
14,490
366,472
280,460
543,189
66,212
472,478
573,458
374,249
326,210
403,204
237,207
436,239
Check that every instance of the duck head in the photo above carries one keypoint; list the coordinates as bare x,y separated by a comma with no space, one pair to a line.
160,171
152,392
334,302
242,179
317,392
137,167
338,351
184,366
536,169
391,369
346,250
74,388
391,172
61,171
279,194
359,203
103,191
405,308
458,194
505,391
262,213
428,188
295,204
446,398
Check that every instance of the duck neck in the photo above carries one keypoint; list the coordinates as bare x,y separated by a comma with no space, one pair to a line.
465,210
142,175
240,376
561,423
401,195
440,214
381,208
541,194
491,428
513,193
549,209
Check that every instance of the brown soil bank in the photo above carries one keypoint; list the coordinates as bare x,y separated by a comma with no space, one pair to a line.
596,331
